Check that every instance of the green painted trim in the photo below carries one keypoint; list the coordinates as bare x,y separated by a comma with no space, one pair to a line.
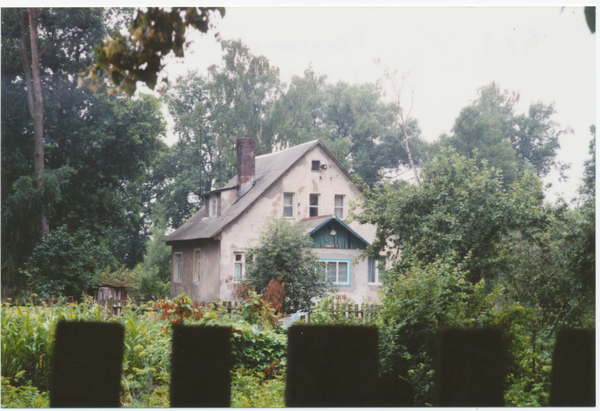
333,217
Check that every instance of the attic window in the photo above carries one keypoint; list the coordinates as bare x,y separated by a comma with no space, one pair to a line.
212,209
316,165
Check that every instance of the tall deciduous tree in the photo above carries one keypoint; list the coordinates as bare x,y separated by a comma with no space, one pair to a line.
96,147
489,129
394,86
30,60
459,212
241,92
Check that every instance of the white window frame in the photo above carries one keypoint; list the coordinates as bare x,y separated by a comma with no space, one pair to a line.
376,262
178,268
197,265
311,207
293,205
337,261
336,207
242,263
212,206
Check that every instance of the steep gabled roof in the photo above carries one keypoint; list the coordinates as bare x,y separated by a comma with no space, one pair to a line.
269,168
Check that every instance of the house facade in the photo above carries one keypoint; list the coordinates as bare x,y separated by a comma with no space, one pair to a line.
304,184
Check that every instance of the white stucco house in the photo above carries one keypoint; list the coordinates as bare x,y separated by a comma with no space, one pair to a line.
305,184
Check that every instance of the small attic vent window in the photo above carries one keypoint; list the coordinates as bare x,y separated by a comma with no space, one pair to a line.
316,165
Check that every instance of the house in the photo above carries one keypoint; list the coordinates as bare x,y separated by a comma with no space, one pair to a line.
305,184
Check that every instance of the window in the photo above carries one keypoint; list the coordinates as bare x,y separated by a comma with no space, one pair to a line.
316,165
336,271
313,205
178,266
375,272
288,205
338,209
197,255
239,260
212,210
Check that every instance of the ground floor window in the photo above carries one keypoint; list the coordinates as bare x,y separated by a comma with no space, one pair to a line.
336,271
197,255
376,269
239,266
178,269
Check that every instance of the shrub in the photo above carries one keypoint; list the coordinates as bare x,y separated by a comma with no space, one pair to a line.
417,302
254,390
25,396
65,263
285,252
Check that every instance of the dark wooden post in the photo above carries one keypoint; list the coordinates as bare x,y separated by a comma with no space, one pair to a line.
200,366
469,368
331,366
86,365
573,378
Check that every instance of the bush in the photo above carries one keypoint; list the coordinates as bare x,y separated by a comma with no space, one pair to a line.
24,396
65,263
257,342
254,390
417,302
284,254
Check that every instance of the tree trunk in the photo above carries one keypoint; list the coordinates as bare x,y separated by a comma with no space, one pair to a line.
35,94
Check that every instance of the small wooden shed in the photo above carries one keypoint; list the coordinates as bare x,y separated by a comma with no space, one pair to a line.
112,292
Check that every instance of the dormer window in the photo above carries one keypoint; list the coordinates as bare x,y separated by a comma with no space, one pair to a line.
212,206
316,165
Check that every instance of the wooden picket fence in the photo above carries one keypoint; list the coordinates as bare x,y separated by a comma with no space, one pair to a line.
363,311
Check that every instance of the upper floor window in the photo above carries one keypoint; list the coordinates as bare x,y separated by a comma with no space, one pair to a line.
239,266
338,209
197,255
178,270
376,269
316,165
288,205
212,206
313,205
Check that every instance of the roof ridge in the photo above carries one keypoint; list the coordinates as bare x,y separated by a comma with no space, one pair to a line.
289,148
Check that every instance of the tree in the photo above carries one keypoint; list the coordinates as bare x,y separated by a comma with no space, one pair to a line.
138,55
241,92
351,120
459,212
284,251
394,86
96,147
490,130
589,175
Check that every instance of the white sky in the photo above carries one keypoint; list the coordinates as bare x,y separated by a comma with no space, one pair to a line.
544,53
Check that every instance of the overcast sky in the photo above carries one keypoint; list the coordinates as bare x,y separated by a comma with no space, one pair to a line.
545,53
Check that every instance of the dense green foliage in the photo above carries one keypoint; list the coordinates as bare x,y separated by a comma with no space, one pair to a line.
97,148
490,130
458,212
467,249
259,348
284,253
65,263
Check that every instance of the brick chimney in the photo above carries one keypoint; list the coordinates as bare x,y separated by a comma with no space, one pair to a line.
245,164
